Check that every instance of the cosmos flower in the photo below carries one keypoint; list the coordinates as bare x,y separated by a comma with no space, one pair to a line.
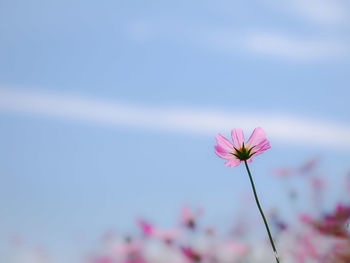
146,227
129,251
309,165
167,235
238,151
188,217
191,254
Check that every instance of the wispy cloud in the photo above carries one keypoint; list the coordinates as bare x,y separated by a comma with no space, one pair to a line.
286,129
322,11
293,48
243,41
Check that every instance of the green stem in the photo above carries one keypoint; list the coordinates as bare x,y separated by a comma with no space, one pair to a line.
262,213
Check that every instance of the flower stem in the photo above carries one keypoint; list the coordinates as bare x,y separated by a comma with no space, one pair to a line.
262,213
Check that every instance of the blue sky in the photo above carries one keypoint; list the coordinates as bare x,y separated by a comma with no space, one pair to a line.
249,62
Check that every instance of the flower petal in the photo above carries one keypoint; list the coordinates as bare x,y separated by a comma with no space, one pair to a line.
261,147
232,162
237,138
257,136
221,152
224,143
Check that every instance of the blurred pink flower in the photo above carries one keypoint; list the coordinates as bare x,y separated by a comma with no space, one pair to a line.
309,165
166,235
305,218
239,249
317,183
283,172
304,169
146,227
189,217
306,250
130,251
190,254
333,224
210,230
238,151
128,247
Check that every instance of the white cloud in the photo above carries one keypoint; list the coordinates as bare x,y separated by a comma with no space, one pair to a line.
286,129
293,48
322,11
233,41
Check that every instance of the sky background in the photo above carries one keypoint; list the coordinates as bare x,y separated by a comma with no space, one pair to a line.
109,110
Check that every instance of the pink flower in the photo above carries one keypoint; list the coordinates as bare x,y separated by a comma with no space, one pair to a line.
309,165
237,248
305,218
317,183
190,254
189,217
167,235
239,152
146,227
284,172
